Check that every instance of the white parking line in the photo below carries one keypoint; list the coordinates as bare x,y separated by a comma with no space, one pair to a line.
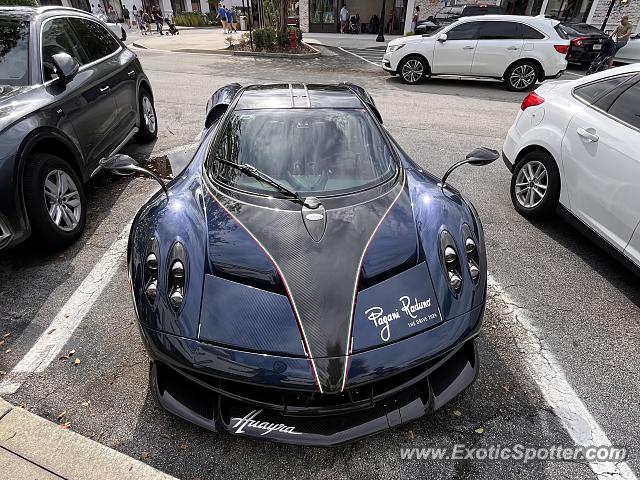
559,395
57,334
361,58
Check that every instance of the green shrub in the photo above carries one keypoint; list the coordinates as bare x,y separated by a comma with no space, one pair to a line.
269,37
19,3
282,38
408,34
258,39
191,19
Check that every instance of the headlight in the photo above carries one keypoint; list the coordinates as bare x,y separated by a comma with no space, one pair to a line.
176,278
451,261
393,48
471,249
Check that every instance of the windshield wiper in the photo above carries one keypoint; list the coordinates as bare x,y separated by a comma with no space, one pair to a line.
252,171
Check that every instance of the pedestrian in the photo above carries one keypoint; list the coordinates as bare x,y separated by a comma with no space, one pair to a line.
222,15
136,16
146,18
414,19
621,36
234,12
344,18
126,16
111,15
159,21
230,21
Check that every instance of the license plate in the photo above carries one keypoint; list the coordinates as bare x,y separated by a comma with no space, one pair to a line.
597,46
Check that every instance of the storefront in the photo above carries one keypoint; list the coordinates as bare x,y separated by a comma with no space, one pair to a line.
566,10
324,14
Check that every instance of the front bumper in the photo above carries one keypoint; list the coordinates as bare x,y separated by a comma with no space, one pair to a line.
229,391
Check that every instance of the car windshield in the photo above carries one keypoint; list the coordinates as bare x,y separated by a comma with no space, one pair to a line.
14,51
449,12
576,30
312,152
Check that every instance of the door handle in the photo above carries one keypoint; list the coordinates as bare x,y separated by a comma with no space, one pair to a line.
468,47
592,137
513,48
104,89
131,73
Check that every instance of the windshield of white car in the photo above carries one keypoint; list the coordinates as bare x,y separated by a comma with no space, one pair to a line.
14,51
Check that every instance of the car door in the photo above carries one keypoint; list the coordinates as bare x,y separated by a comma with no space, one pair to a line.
499,45
84,104
118,63
602,165
454,55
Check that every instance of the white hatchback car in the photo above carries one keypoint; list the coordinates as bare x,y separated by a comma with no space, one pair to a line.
520,50
575,145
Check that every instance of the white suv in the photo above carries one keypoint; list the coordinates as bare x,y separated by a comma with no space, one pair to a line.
517,49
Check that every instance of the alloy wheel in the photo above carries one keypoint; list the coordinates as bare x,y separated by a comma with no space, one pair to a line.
522,76
62,200
148,114
531,184
412,70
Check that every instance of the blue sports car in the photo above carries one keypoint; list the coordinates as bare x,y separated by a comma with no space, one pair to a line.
303,280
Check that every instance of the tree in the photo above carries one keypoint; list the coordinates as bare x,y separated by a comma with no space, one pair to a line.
281,10
21,3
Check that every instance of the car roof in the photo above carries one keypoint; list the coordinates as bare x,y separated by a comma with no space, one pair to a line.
297,95
27,13
512,18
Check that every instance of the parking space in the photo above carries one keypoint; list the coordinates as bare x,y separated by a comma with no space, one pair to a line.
559,347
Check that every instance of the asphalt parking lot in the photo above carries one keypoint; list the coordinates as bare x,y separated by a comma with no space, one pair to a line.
559,348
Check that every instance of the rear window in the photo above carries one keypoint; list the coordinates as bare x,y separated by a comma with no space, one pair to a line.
477,10
14,52
313,152
592,92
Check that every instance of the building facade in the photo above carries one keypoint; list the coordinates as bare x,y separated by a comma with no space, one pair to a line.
323,15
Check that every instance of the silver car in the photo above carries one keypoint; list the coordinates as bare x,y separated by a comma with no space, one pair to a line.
630,53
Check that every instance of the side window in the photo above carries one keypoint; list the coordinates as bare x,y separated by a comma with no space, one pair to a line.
59,37
96,39
499,31
591,92
627,106
466,31
529,33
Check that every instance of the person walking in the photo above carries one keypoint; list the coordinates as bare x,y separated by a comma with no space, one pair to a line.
621,36
159,20
230,21
415,18
136,16
146,17
222,15
344,18
126,16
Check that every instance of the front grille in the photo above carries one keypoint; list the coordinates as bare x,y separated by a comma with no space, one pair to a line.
291,402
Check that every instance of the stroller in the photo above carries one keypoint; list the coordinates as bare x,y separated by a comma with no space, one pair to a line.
601,61
172,26
354,24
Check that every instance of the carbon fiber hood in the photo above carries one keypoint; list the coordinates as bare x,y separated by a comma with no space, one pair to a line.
275,249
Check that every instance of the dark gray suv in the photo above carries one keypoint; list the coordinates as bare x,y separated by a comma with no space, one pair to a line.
71,93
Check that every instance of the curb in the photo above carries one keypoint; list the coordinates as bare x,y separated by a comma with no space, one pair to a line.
32,447
316,53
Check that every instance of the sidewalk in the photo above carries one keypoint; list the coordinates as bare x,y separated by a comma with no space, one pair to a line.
32,448
212,40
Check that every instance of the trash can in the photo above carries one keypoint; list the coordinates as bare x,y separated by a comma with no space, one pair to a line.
243,22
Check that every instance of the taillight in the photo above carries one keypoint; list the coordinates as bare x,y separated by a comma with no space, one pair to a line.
531,100
578,42
561,49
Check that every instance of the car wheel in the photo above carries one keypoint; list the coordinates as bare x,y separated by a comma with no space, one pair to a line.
535,185
55,201
412,69
521,76
148,130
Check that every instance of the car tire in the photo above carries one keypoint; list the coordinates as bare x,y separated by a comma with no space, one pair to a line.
521,76
535,185
148,129
55,201
412,69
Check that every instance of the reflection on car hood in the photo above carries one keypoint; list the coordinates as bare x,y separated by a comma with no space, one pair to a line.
16,102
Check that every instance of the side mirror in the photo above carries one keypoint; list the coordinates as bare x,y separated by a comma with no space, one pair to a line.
442,38
66,66
125,165
478,157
